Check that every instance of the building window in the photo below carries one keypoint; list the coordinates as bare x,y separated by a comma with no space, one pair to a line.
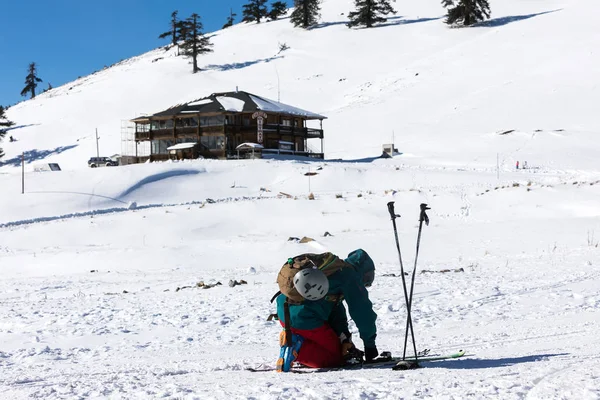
212,121
187,122
213,142
160,146
246,121
187,140
162,124
286,122
142,127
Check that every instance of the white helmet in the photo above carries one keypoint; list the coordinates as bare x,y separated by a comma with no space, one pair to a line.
311,283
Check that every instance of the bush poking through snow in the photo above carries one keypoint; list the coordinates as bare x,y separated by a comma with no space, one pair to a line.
591,240
234,283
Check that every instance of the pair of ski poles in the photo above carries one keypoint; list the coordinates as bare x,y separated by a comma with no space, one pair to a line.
408,296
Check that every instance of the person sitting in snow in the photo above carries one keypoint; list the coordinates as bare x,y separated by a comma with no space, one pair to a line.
314,318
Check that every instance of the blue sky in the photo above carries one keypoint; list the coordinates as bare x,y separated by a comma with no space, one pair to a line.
71,38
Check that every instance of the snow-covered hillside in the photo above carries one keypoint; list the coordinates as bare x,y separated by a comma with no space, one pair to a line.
444,94
100,268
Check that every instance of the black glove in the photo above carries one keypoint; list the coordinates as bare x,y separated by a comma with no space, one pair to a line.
371,353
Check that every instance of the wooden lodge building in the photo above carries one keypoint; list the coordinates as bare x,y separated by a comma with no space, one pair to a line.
227,125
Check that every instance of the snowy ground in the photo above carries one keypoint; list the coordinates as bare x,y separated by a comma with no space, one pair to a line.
91,259
526,308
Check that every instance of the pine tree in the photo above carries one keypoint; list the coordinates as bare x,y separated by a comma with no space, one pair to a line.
195,43
306,13
182,30
31,81
173,29
466,12
230,19
254,11
278,8
4,123
369,12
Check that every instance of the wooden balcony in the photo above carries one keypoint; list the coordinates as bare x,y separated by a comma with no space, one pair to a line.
283,130
168,133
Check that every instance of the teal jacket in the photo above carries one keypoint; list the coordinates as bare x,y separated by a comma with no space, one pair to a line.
347,282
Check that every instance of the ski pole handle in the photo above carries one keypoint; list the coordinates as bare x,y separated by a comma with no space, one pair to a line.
423,216
393,214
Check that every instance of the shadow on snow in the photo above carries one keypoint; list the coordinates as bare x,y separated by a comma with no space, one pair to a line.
36,155
12,128
396,20
309,160
399,21
228,67
155,178
489,363
510,19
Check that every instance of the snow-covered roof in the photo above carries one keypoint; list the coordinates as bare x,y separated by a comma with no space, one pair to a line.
249,145
182,146
231,103
200,102
264,104
234,102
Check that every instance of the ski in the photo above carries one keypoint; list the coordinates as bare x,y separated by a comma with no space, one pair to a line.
380,362
458,354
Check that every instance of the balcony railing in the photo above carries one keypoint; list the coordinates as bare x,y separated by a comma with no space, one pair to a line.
307,133
292,153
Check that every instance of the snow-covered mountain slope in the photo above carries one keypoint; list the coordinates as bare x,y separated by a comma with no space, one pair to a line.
442,93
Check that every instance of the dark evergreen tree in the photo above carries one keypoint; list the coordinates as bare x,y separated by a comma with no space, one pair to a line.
306,13
466,12
4,123
369,12
254,11
278,9
31,81
183,31
195,43
173,29
230,19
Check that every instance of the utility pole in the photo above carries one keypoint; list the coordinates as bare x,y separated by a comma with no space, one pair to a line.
278,87
23,173
498,165
97,147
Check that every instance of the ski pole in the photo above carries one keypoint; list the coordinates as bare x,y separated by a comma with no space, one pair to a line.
393,215
422,217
